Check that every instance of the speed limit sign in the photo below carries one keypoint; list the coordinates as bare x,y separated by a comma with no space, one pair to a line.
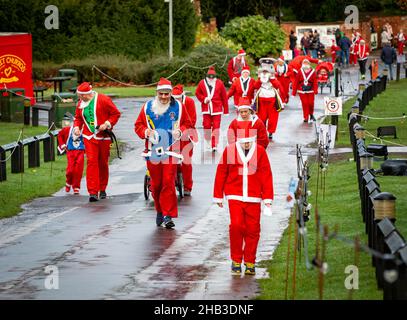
333,106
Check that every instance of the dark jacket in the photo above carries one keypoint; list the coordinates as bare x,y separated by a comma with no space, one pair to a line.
293,41
388,55
344,43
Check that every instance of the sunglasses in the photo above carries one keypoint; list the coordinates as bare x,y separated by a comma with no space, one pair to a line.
211,76
164,94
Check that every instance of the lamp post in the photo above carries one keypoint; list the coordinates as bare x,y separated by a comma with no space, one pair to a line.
170,28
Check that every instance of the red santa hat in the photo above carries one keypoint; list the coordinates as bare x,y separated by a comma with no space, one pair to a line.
241,52
211,71
84,88
244,103
246,69
306,61
164,84
178,91
281,58
248,135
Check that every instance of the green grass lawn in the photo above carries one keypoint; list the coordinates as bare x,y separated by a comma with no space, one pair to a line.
125,92
34,182
340,207
390,103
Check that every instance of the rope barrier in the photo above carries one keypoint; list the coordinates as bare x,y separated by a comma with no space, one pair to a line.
374,118
387,141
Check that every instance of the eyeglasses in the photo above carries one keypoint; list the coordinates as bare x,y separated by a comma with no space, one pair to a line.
164,94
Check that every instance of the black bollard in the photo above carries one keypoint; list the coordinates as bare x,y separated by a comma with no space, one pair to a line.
3,171
17,158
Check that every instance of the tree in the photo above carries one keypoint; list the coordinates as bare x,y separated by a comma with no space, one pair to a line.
257,35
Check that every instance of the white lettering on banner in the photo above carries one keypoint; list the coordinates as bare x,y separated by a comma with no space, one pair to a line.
333,106
352,20
352,281
52,21
52,280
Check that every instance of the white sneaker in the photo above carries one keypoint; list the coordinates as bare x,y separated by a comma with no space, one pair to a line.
214,149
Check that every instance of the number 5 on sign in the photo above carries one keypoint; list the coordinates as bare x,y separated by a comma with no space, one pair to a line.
333,106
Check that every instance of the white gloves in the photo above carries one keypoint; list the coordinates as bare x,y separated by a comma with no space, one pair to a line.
268,211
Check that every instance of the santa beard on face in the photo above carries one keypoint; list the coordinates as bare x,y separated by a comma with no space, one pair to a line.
264,78
158,107
211,81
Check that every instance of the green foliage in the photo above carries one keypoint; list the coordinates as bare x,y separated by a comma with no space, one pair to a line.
203,37
258,36
134,28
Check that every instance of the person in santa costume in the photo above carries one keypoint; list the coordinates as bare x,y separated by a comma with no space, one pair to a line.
236,65
211,92
268,101
353,52
296,65
362,54
162,122
306,84
401,40
94,114
242,87
247,120
334,51
189,139
245,178
75,151
283,75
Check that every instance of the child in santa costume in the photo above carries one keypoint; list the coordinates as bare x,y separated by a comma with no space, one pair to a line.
162,122
268,99
188,139
94,114
306,84
236,65
247,120
211,92
242,87
353,51
283,75
401,40
244,176
75,151
334,51
362,53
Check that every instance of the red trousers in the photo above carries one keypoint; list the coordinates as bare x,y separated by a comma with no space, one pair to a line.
353,58
74,167
268,113
307,101
285,82
163,187
97,168
211,125
244,230
186,168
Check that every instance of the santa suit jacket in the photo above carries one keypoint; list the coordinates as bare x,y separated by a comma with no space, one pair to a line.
296,63
276,84
241,177
362,51
218,96
299,82
105,112
141,125
236,90
189,104
231,68
254,124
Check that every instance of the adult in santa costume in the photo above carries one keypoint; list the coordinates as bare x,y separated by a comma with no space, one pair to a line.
188,139
94,114
401,40
75,151
247,120
211,92
244,176
161,122
296,65
362,54
236,65
283,75
268,99
306,84
242,87
353,51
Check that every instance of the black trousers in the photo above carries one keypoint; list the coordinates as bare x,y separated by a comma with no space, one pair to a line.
362,66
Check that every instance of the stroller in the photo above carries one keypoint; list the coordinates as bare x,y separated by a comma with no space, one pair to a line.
179,183
324,71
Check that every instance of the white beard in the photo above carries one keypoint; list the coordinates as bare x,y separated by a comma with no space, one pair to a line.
84,104
211,82
159,108
306,68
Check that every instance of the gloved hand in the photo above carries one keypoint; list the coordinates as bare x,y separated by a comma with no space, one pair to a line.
268,211
154,137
